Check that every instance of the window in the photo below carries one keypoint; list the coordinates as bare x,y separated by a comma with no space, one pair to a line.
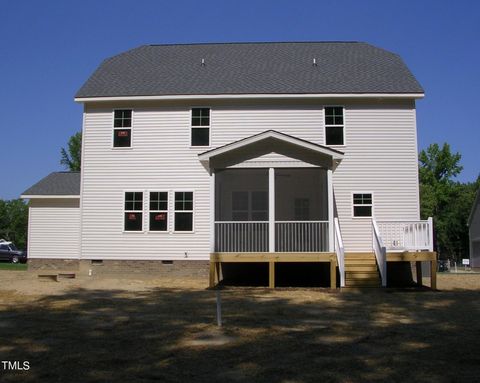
158,211
240,205
183,211
250,206
302,209
122,128
362,205
200,126
334,125
133,211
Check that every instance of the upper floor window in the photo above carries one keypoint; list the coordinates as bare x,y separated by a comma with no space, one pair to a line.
334,125
362,204
200,127
122,128
133,211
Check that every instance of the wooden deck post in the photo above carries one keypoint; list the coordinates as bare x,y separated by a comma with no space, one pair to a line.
333,273
418,267
218,271
271,274
433,274
212,274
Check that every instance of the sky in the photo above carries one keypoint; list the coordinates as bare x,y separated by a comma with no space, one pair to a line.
49,48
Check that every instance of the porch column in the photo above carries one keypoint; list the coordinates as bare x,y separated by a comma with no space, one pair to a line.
271,210
212,212
331,232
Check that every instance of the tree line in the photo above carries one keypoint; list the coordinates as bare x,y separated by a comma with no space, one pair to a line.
448,201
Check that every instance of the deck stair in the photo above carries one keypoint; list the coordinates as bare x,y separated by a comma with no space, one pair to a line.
361,270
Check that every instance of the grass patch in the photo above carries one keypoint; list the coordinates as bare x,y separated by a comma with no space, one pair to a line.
13,266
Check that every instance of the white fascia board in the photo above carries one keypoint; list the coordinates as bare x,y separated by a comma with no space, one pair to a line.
28,196
259,137
252,96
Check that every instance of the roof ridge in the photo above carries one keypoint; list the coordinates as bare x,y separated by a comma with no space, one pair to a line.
257,42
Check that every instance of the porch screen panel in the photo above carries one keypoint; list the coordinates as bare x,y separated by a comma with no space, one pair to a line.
241,195
301,210
241,210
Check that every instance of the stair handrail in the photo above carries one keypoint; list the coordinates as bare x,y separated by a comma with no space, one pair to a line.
340,251
380,252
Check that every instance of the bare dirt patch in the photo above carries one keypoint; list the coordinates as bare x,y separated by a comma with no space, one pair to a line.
89,330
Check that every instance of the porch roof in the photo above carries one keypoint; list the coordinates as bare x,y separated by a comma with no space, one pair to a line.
268,142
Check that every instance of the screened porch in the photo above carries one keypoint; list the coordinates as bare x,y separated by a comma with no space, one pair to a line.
271,210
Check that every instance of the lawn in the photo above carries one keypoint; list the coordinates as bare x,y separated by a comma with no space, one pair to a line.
142,331
13,266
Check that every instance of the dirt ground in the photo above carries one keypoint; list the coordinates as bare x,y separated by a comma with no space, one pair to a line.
111,330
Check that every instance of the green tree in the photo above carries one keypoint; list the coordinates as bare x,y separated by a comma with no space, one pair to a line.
72,159
454,230
14,221
447,201
437,168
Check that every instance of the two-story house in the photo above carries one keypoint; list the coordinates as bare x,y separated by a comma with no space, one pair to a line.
203,154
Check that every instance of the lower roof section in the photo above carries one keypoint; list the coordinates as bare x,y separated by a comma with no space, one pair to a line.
55,185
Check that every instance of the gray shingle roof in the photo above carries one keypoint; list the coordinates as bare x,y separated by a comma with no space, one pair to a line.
251,68
56,183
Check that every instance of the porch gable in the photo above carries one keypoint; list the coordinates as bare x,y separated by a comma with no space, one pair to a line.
268,142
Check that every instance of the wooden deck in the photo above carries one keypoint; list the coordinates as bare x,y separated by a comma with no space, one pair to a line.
418,257
271,259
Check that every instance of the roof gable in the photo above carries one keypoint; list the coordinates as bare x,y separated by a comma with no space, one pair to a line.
251,68
270,141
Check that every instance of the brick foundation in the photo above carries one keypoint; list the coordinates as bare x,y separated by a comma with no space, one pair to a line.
128,268
181,268
36,264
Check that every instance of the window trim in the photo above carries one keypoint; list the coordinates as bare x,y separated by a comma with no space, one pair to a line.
133,211
184,211
113,147
325,125
372,205
201,126
168,231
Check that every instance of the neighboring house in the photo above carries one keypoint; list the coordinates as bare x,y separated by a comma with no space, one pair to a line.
474,232
243,152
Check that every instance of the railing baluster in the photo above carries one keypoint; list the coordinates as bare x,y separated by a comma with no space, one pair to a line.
290,236
408,235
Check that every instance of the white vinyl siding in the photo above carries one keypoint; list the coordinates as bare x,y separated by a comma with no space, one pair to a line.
160,160
54,228
380,156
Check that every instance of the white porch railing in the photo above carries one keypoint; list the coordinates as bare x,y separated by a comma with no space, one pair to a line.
340,250
301,236
241,236
407,235
380,252
253,236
